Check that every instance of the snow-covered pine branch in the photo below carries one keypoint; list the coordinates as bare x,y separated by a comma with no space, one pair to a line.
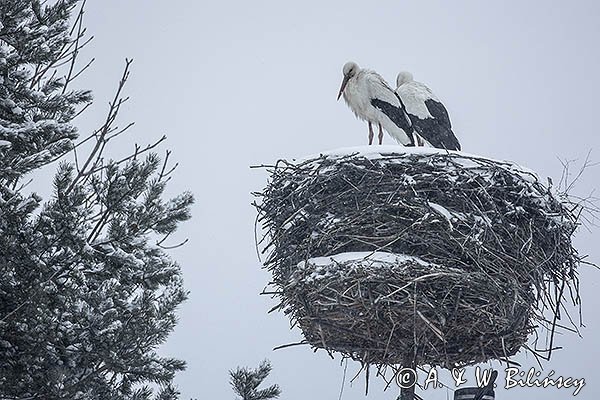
88,292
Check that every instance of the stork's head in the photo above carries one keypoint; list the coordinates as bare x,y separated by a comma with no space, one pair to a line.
403,77
350,69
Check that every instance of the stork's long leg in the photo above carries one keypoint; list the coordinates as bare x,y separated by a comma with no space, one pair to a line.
370,133
380,134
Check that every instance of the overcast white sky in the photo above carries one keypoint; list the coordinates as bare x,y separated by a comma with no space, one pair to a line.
234,84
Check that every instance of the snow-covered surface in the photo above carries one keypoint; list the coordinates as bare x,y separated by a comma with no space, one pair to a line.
374,258
331,267
375,151
379,152
5,143
443,211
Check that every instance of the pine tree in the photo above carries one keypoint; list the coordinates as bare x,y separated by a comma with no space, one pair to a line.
245,383
87,291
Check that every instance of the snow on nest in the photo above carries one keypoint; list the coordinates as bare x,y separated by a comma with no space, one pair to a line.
392,152
374,258
327,267
377,151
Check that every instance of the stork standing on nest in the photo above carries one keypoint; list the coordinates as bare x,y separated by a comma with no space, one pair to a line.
371,99
427,114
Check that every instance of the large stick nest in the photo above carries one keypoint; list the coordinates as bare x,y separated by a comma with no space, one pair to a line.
482,248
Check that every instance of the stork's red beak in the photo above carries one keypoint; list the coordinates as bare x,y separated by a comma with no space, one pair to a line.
344,83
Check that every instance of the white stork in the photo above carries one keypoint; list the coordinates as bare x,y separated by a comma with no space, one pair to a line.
371,99
427,114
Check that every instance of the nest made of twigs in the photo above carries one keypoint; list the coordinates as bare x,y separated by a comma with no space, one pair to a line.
381,308
495,236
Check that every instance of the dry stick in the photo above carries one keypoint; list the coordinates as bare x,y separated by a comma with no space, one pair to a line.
79,24
556,313
284,346
65,53
367,380
173,246
104,130
343,379
138,151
